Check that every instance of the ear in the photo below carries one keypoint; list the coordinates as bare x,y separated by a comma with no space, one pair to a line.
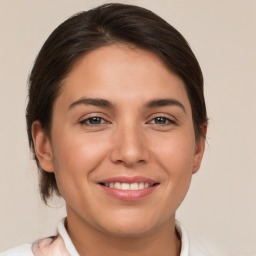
199,151
42,147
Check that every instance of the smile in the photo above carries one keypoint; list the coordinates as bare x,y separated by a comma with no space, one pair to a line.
129,188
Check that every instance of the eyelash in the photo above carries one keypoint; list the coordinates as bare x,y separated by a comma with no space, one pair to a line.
168,120
87,121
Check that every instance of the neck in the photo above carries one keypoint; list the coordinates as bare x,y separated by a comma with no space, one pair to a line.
90,241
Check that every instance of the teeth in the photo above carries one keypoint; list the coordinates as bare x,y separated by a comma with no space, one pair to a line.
141,185
146,185
117,185
134,186
127,186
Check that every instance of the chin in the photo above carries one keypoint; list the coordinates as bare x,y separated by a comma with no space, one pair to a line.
130,227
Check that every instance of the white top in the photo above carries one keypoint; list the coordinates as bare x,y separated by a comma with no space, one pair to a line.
61,245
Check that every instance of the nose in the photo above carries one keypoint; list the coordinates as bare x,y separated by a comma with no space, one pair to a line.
129,147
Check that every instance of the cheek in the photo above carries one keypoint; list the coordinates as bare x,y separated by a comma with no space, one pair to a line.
76,157
176,154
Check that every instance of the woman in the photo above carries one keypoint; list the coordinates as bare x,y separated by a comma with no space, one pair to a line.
117,121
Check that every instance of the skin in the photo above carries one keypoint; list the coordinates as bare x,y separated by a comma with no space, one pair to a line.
128,140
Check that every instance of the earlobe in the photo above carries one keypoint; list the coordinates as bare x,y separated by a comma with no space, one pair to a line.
42,147
200,149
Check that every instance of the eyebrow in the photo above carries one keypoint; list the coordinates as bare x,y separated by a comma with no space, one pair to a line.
98,102
165,102
92,101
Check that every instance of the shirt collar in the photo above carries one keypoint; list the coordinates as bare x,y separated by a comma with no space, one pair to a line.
67,240
184,239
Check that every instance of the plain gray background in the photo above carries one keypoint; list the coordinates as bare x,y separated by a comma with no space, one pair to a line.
220,208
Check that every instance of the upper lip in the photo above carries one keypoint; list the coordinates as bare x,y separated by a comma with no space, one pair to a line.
127,179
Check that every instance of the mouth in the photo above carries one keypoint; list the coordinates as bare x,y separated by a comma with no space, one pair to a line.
129,188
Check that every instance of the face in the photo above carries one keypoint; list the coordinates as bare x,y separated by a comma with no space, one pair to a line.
122,144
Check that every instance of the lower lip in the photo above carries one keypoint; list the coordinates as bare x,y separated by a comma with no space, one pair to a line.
129,195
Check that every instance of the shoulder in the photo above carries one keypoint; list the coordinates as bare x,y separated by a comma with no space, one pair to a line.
198,248
22,250
59,244
191,247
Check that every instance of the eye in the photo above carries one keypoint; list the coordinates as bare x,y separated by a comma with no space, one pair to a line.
162,120
95,120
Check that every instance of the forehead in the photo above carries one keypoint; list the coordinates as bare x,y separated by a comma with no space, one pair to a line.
122,72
